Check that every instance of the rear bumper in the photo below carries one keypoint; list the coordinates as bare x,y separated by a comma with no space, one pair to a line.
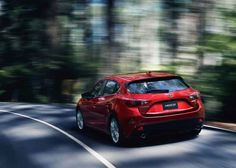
173,126
164,124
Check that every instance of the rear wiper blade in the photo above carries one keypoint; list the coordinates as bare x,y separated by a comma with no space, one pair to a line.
158,91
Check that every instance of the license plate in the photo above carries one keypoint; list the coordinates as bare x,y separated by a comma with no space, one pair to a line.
170,105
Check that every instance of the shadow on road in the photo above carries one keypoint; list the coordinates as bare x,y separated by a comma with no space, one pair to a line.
64,118
102,138
31,144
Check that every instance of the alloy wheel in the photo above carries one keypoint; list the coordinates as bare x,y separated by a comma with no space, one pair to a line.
80,120
114,130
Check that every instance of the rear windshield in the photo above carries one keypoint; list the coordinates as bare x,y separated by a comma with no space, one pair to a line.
157,86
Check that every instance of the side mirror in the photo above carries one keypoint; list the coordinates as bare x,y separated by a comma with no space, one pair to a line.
86,95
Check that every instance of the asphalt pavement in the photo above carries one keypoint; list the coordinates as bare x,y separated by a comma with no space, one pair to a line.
45,136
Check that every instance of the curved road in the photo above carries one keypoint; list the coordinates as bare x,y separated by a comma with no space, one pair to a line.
38,136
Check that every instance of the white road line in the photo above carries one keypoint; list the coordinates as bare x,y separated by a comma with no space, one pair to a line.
86,147
218,128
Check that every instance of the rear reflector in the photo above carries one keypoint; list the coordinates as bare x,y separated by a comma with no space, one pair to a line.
200,120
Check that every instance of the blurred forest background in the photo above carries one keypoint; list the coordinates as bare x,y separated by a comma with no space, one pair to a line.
52,50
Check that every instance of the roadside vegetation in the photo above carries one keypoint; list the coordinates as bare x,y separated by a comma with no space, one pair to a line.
51,51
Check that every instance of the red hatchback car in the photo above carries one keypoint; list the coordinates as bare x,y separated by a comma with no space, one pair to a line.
141,104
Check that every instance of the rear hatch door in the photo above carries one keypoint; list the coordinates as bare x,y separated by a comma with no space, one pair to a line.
165,95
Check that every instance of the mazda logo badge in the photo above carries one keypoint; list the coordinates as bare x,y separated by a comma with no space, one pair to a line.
170,95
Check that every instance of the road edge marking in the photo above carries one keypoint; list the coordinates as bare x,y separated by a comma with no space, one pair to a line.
218,128
86,147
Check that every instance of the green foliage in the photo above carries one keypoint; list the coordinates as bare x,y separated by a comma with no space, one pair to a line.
220,81
36,52
220,43
44,44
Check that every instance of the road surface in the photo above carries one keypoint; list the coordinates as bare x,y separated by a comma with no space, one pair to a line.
45,136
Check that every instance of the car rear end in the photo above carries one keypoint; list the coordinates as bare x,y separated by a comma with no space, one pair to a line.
160,105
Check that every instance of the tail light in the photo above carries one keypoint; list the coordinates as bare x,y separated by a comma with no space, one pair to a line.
193,99
195,96
136,103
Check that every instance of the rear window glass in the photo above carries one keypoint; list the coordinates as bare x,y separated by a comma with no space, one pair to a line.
157,86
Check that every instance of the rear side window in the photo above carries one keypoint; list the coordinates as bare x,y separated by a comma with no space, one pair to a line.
157,86
97,89
111,88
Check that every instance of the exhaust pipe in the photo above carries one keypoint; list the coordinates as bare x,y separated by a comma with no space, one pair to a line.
143,136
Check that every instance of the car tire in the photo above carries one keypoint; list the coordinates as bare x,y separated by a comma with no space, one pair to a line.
80,120
115,132
196,132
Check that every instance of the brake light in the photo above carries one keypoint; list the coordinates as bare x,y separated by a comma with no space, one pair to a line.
135,103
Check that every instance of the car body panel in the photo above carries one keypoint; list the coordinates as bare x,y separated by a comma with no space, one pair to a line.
98,110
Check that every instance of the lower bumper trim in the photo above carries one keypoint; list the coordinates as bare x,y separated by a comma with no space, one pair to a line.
173,126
